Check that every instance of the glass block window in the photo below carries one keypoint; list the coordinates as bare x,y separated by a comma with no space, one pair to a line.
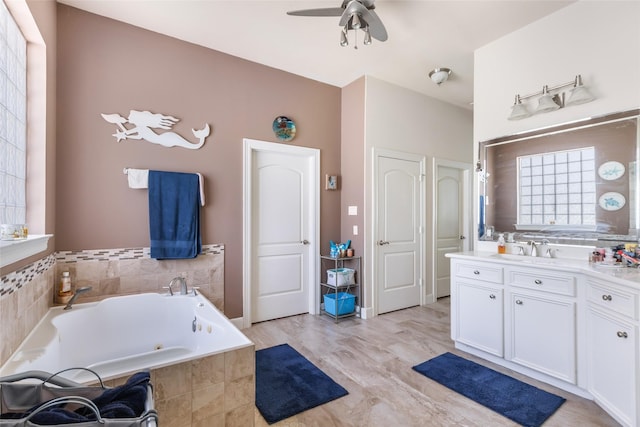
13,120
557,188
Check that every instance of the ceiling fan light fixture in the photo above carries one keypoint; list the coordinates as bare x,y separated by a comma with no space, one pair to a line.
367,36
344,41
355,21
439,75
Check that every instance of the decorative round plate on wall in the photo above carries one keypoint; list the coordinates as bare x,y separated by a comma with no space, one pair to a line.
611,170
612,201
284,128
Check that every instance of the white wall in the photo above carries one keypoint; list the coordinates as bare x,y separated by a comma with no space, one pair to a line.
598,39
403,120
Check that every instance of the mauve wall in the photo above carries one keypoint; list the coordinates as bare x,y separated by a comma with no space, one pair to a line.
105,66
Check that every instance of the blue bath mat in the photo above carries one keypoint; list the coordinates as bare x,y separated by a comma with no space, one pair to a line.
518,401
287,384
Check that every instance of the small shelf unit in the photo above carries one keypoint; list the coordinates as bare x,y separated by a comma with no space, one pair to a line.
355,289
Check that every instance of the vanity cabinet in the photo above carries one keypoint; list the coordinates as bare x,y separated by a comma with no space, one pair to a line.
569,324
612,347
540,326
478,310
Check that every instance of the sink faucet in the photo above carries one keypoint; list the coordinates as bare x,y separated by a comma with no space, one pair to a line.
75,295
534,248
181,282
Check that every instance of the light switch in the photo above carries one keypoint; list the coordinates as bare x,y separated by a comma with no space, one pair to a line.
355,230
353,210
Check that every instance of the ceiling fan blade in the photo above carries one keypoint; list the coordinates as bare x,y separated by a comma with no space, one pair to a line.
327,11
376,27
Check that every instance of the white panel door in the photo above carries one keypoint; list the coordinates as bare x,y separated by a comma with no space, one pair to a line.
280,230
399,225
449,222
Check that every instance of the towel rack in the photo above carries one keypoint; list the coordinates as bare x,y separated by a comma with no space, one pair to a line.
146,184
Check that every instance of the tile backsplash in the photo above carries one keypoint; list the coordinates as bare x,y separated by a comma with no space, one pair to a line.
26,294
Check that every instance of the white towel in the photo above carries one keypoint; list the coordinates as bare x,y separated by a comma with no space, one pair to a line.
139,178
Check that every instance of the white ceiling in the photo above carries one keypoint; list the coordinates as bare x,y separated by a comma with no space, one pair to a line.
423,35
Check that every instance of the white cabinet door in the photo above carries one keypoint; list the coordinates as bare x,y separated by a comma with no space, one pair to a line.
479,311
612,362
540,334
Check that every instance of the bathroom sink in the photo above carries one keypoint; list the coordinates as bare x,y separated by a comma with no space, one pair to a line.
536,260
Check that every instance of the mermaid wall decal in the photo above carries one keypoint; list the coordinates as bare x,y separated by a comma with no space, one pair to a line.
143,124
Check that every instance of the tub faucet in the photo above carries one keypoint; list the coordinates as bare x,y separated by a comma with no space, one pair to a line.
181,282
75,295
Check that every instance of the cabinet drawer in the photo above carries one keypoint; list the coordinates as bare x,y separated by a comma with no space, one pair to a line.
485,272
612,298
555,283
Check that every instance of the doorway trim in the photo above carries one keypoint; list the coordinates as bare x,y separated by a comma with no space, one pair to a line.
467,212
250,146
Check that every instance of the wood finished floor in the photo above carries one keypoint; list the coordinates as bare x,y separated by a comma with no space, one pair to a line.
372,359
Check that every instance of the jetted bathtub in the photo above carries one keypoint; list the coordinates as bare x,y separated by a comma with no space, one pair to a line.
122,335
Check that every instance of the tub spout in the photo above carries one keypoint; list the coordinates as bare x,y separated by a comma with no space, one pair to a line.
181,282
75,295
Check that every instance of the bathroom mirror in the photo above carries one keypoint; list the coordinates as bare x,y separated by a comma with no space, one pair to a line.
575,183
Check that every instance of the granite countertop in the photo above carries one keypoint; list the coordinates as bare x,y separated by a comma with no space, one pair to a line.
628,276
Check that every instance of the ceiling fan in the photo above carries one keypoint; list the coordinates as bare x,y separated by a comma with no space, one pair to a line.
354,15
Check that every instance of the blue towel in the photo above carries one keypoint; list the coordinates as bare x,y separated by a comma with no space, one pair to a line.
174,215
125,401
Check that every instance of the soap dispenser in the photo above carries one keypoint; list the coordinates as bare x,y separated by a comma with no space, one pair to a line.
502,247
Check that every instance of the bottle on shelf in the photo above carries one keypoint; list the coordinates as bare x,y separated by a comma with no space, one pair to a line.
64,289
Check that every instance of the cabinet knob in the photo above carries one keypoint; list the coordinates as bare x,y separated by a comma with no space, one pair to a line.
305,242
519,302
492,296
538,282
622,334
606,297
476,272
382,243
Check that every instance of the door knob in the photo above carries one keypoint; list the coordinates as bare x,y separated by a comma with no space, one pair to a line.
382,243
305,242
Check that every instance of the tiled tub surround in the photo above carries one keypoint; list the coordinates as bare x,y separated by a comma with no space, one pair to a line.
25,297
130,271
215,390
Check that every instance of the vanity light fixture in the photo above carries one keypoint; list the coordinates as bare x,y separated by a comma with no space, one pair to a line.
550,101
439,75
579,94
519,110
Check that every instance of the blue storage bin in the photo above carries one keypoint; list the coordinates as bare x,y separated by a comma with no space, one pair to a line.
346,303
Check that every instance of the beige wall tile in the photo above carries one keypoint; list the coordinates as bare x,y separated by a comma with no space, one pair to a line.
207,403
171,381
242,416
240,363
174,412
239,392
207,371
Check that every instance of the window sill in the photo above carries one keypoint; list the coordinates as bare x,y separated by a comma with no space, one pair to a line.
15,250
